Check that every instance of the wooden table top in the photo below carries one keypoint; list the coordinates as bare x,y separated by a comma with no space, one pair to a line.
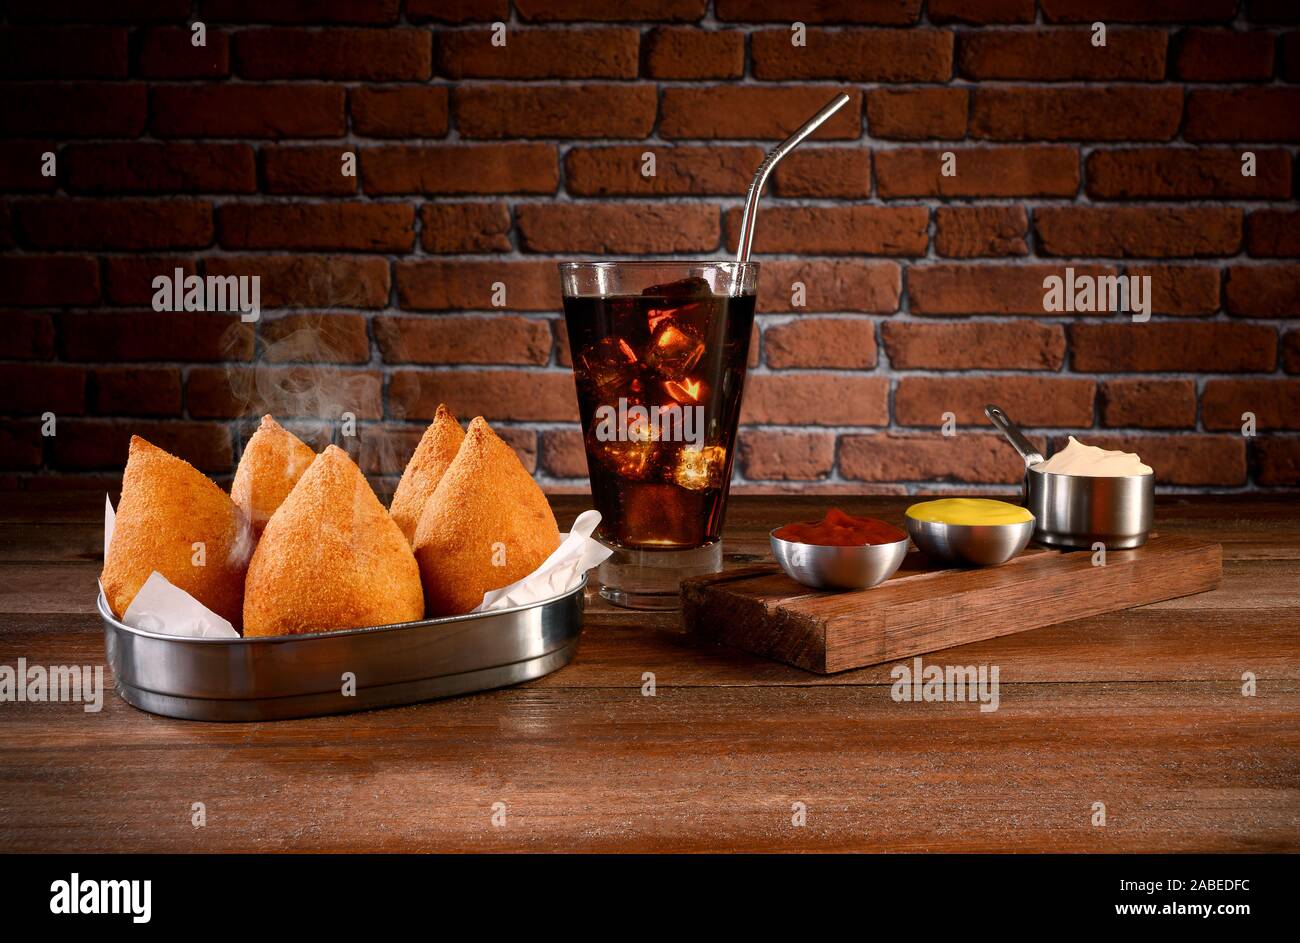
1140,710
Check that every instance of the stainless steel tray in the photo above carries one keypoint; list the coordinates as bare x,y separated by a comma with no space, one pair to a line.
250,679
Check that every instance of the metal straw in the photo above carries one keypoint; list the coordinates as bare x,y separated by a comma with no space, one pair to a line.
770,161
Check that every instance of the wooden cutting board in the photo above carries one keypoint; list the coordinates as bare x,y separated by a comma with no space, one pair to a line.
925,607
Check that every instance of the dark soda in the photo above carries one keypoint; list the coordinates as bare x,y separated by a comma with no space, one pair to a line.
659,378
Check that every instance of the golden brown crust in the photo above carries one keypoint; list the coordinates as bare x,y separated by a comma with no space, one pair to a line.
486,526
167,507
330,558
438,447
271,465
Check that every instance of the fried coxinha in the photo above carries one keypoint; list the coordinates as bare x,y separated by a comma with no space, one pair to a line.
330,556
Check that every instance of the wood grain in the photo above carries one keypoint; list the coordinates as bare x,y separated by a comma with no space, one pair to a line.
1140,709
924,608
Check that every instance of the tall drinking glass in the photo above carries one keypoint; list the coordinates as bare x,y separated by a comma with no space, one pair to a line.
659,354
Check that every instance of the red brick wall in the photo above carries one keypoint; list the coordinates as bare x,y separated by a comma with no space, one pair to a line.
479,164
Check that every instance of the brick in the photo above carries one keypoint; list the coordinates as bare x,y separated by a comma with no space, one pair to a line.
315,337
1274,233
1275,403
494,394
1279,461
979,12
27,335
1180,172
128,279
980,171
686,53
92,11
1138,232
970,231
63,53
977,345
311,281
1263,291
838,230
311,170
839,343
312,12
540,54
160,168
551,11
74,109
1291,351
442,286
883,12
616,170
249,110
842,285
454,340
968,457
1181,289
1291,57
605,228
458,11
786,456
915,113
146,335
1148,404
169,53
1105,113
1243,114
115,224
868,55
465,227
1185,459
103,443
555,111
1040,401
563,453
136,391
375,55
1062,55
21,165
824,173
728,111
357,227
453,169
21,445
232,392
34,388
1166,346
985,289
815,399
400,112
1122,11
47,280
1223,55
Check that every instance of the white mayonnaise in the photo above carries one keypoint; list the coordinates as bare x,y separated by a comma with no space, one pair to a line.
1089,460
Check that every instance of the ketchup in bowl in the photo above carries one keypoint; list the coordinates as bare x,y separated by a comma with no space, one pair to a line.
838,529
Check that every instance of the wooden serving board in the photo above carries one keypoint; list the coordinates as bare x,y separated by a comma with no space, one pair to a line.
923,607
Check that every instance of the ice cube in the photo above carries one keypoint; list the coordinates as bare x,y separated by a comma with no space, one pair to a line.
698,469
674,349
692,287
687,391
632,459
610,367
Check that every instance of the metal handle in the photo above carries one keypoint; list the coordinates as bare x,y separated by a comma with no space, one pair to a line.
1017,438
773,156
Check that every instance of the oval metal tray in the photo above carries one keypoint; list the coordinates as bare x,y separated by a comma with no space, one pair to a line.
251,679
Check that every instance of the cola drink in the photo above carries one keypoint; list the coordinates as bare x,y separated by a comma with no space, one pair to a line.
659,377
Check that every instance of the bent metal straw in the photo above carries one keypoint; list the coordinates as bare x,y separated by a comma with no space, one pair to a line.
765,168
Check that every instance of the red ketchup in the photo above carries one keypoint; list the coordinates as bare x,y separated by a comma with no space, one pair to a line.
838,529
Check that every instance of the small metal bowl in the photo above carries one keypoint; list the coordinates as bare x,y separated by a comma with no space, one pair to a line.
972,544
855,567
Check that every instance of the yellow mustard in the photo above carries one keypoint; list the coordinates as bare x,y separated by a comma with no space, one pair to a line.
980,511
